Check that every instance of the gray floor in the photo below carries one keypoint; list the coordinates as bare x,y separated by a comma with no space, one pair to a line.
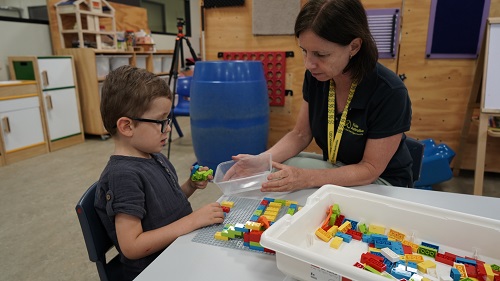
40,237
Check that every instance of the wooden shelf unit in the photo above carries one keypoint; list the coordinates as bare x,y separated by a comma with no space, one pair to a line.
89,82
81,20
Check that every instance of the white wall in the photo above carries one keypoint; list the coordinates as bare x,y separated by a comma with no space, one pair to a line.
22,39
30,39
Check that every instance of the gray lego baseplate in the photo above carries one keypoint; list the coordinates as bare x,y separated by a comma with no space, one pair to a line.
240,213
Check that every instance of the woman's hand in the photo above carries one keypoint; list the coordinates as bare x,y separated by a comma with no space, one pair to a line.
287,179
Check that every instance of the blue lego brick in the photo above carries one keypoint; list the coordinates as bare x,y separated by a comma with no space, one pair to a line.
397,247
455,274
465,261
430,245
354,224
435,163
379,244
367,238
346,237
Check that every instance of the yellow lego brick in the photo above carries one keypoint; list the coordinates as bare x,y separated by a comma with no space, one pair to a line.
345,227
299,208
414,247
273,209
218,236
490,275
371,249
461,268
336,242
396,235
270,217
333,230
426,279
227,204
376,229
274,204
425,265
414,258
253,225
290,202
270,213
321,233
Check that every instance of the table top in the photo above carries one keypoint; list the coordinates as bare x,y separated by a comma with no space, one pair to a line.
187,260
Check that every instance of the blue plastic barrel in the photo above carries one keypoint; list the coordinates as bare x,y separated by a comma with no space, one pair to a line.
229,110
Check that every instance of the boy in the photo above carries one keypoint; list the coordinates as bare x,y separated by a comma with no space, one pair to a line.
139,199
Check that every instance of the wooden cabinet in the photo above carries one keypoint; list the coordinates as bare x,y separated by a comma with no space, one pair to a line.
22,131
58,93
91,68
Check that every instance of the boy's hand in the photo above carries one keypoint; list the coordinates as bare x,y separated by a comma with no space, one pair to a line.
200,175
208,215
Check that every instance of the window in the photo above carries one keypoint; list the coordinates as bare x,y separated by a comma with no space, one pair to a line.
164,16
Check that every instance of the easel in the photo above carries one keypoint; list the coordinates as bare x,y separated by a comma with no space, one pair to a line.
490,97
174,72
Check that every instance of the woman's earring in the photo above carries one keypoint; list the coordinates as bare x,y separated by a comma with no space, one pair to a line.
350,56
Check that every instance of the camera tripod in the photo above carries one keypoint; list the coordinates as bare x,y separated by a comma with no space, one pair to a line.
174,73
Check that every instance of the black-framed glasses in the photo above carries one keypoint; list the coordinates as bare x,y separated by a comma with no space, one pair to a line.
164,123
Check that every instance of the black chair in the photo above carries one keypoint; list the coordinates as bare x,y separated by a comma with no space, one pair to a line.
416,149
96,238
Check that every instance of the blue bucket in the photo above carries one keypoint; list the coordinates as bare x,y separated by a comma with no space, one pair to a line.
229,110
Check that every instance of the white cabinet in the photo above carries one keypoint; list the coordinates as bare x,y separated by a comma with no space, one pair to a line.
56,72
21,123
22,130
59,96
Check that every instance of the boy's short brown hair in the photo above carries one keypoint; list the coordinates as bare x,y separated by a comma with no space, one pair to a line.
127,92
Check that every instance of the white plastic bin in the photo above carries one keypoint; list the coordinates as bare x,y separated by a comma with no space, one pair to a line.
103,65
157,59
243,175
300,254
166,63
140,61
119,60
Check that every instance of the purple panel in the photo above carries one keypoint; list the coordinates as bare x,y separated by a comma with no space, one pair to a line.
384,26
430,35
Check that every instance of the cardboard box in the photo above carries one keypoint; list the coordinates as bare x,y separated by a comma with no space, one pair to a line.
300,254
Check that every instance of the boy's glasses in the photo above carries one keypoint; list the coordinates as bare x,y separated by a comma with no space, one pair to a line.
164,123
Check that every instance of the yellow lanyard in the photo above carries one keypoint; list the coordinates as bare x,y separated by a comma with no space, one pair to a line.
334,143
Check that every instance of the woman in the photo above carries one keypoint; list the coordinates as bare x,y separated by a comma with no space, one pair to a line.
354,108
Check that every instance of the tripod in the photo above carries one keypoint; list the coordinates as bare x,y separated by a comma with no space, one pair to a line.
174,68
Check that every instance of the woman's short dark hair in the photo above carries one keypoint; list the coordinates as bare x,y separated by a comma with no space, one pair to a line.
341,21
128,92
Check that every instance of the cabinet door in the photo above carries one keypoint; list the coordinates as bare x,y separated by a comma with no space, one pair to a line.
61,111
56,72
21,123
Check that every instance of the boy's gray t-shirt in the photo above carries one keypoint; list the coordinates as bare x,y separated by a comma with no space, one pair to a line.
144,188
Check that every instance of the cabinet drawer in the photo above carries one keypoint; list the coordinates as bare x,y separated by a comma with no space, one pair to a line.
56,72
21,123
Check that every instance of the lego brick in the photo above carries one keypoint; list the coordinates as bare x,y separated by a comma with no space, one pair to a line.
396,235
390,254
322,234
423,266
336,242
376,229
426,251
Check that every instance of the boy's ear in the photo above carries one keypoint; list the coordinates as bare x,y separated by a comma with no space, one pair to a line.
125,126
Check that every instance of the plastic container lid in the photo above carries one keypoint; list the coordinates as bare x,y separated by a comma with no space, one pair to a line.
243,175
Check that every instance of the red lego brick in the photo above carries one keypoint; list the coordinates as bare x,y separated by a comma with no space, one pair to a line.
366,256
254,235
378,265
407,250
355,234
442,258
225,209
339,220
471,270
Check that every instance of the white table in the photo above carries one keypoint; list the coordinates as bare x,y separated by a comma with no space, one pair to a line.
187,260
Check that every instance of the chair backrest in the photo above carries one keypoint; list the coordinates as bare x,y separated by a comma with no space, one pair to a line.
417,153
96,237
183,86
